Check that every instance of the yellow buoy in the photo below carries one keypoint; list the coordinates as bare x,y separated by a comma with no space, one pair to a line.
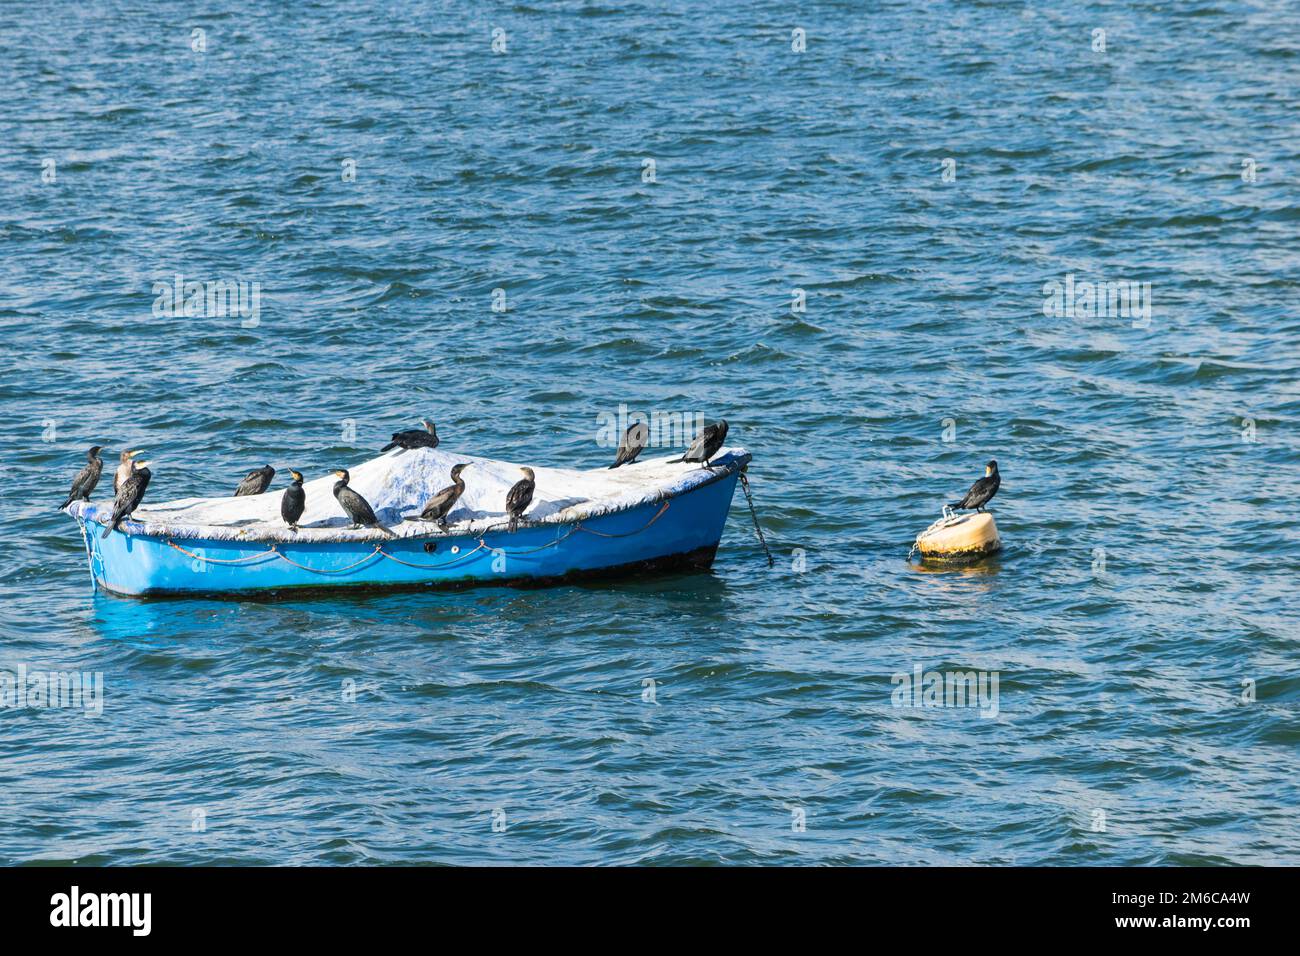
959,538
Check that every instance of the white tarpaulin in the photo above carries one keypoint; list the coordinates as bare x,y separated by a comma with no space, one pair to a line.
398,483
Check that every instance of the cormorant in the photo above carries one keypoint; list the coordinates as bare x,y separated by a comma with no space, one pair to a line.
414,438
439,506
129,495
86,479
520,497
706,444
982,491
633,442
357,508
256,481
123,469
294,501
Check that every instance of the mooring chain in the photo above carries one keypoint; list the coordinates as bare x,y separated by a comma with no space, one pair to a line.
749,497
379,550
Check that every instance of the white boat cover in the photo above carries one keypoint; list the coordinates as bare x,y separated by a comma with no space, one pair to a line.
398,483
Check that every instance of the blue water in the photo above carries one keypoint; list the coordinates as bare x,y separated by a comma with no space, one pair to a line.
495,725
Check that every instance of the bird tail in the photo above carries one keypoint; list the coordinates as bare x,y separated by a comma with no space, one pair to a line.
677,460
108,529
615,465
389,447
65,504
514,523
958,504
379,527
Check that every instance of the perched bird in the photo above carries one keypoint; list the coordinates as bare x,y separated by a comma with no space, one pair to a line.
633,442
520,497
123,469
256,481
357,508
982,491
706,444
294,501
129,495
439,506
414,438
86,479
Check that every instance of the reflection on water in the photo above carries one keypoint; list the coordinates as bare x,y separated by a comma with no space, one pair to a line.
977,568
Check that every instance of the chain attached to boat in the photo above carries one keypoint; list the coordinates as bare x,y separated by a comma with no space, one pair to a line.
625,534
435,567
203,557
379,549
749,496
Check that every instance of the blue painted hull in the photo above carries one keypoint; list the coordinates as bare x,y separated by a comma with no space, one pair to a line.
681,532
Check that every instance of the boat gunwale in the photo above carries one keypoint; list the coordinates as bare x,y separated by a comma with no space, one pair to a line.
737,463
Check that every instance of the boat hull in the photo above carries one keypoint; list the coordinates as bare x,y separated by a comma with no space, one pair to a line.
681,532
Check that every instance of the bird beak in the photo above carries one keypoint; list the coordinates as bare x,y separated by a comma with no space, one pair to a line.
135,454
144,464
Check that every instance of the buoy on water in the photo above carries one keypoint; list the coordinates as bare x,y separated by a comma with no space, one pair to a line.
957,538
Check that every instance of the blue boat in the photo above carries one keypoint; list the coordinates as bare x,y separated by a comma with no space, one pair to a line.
655,516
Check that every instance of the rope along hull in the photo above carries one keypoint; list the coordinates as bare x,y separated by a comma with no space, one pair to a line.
682,531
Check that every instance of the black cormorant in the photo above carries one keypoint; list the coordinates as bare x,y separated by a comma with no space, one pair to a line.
357,508
123,469
294,501
256,481
439,506
982,491
706,444
129,495
86,479
633,442
520,497
414,438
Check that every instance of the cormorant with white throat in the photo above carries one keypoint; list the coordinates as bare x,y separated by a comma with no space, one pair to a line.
129,495
124,468
982,491
294,501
